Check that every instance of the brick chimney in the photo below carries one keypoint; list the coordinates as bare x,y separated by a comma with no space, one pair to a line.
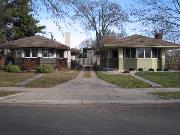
158,35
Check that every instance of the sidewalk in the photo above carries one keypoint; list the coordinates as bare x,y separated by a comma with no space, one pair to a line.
86,91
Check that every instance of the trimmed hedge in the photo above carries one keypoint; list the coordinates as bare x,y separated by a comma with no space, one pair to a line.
151,69
12,68
140,69
131,69
126,71
159,69
165,69
44,69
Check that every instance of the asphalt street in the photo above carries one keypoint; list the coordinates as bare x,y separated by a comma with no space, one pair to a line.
88,120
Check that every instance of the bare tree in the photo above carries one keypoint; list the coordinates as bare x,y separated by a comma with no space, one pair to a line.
160,15
100,16
87,43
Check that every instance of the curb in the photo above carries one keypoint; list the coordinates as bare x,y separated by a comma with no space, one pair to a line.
95,103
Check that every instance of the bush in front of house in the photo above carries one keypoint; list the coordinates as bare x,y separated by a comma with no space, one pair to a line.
131,69
44,69
165,69
140,69
159,69
12,68
126,71
151,69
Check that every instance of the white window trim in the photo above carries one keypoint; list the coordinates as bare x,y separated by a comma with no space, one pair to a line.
25,53
30,54
48,54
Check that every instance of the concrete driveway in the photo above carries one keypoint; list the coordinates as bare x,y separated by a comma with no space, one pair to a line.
85,90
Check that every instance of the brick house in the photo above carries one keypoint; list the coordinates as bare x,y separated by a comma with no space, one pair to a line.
33,51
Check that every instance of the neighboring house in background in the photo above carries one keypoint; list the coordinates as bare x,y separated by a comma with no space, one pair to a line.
173,59
33,51
88,57
134,52
74,56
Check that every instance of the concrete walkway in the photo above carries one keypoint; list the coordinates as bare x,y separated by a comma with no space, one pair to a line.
23,83
152,84
85,90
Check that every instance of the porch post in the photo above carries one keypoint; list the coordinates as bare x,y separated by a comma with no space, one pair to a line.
163,58
107,60
121,61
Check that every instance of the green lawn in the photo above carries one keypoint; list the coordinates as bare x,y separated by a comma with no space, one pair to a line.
167,95
7,93
52,79
125,81
10,79
166,79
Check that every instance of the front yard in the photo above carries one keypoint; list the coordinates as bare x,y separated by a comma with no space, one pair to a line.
166,79
52,79
125,81
10,79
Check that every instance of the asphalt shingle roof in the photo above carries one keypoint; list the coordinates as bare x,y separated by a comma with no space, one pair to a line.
139,41
33,42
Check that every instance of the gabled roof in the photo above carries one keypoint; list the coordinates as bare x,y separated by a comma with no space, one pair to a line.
33,41
140,41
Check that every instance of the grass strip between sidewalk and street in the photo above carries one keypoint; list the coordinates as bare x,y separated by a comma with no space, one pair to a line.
7,93
10,79
125,81
166,79
168,95
52,79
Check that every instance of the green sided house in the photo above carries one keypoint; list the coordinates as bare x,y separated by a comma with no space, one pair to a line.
134,52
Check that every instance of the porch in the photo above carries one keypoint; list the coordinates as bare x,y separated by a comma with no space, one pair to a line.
133,58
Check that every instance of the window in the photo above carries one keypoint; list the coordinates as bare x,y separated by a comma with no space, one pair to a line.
27,52
50,53
130,52
34,52
133,52
154,52
114,53
147,52
127,53
61,54
45,52
140,52
18,53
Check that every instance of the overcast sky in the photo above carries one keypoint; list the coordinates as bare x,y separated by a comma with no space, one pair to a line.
77,32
